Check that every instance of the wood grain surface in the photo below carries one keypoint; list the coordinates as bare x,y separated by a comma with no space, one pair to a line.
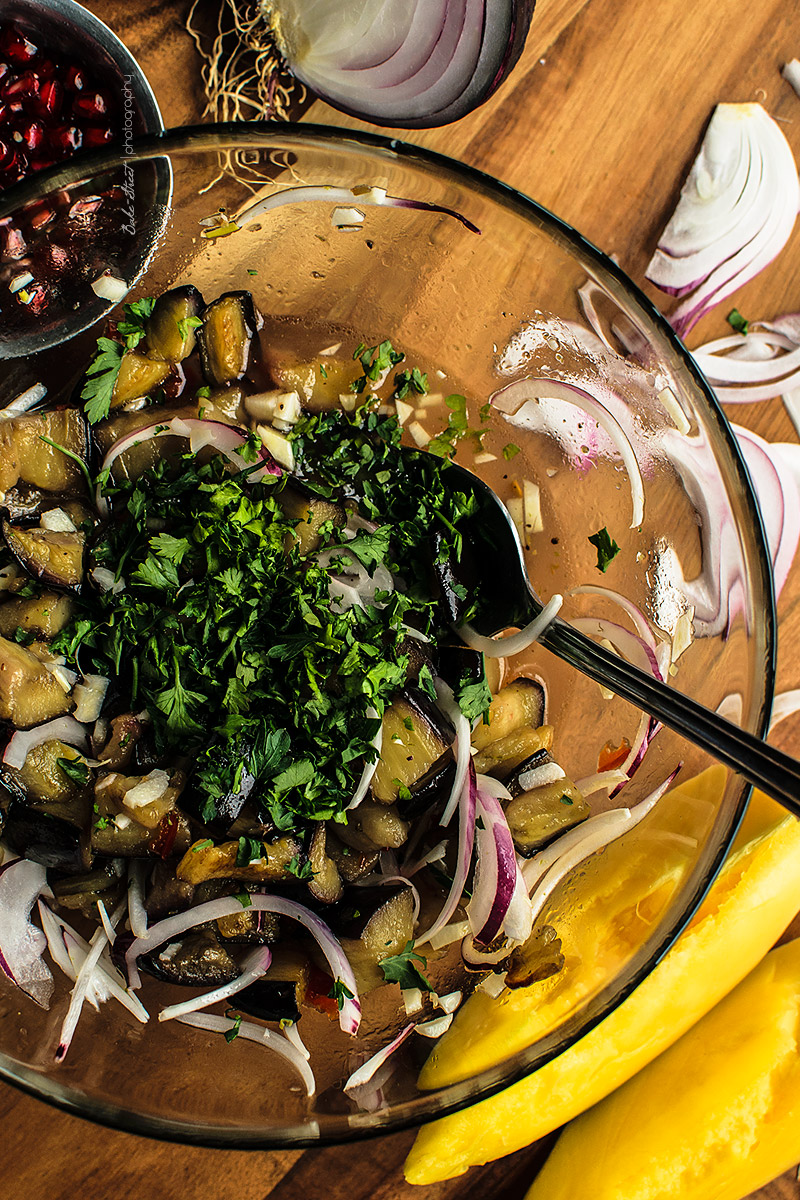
599,122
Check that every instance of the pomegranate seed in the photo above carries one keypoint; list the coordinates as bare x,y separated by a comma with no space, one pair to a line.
40,162
12,243
97,135
15,45
31,134
92,106
82,208
22,87
8,155
75,79
4,69
65,139
45,68
49,101
57,257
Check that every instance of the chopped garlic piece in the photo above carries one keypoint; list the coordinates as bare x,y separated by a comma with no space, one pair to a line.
57,520
485,457
346,218
531,500
151,788
436,1027
419,433
412,999
89,696
403,411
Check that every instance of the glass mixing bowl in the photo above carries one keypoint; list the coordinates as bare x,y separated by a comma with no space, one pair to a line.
479,284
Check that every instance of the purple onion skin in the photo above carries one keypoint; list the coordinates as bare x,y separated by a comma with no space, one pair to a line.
472,97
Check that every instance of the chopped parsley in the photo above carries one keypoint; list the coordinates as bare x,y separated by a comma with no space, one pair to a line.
102,372
340,992
510,451
75,770
232,1033
737,321
300,868
402,968
607,548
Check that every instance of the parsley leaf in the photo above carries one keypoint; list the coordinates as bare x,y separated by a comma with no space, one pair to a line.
249,849
101,375
340,992
510,451
75,770
232,1033
607,548
402,968
301,869
473,698
737,321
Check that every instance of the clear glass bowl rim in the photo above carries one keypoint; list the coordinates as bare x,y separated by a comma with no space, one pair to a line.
433,1105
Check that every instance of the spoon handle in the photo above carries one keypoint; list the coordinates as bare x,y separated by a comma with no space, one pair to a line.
769,769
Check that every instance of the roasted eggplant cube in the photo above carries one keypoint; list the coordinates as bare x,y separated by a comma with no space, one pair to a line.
539,958
520,704
502,757
387,932
374,826
29,694
44,779
44,615
432,790
539,814
170,328
415,736
198,960
310,514
47,554
229,326
83,891
138,377
249,926
45,838
352,864
325,883
26,458
279,995
202,862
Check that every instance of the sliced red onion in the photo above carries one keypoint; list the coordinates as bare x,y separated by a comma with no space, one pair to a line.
363,195
69,950
226,439
647,730
483,958
548,868
736,212
449,707
172,927
601,781
24,402
251,1032
84,982
643,627
62,729
467,802
21,943
254,966
748,368
436,854
629,645
51,927
292,1034
499,897
413,65
367,1070
369,767
776,487
517,642
511,398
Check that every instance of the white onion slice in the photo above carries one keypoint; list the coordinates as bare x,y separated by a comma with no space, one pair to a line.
629,645
363,195
171,928
467,802
435,1027
251,1032
778,495
369,767
366,1071
226,439
517,642
62,729
84,982
785,704
511,398
22,403
110,287
21,943
254,966
449,707
736,211
601,781
415,64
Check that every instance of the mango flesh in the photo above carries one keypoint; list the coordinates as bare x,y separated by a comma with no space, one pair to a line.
732,1118
751,903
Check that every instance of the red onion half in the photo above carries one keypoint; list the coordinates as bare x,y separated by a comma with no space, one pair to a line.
499,898
735,213
406,63
21,943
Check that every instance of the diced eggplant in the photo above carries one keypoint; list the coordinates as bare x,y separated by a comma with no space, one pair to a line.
166,893
83,891
226,403
50,840
53,557
43,778
198,960
325,884
280,993
311,514
138,377
457,579
29,694
387,931
229,326
515,706
44,615
374,826
433,789
319,384
219,862
539,958
25,504
415,736
26,458
540,814
418,654
351,864
145,799
249,926
459,663
126,730
170,328
501,757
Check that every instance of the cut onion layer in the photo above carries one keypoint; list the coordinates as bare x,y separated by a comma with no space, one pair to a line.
449,707
405,63
21,943
511,398
467,803
517,642
173,927
499,897
62,729
735,213
251,1032
365,1073
364,194
776,487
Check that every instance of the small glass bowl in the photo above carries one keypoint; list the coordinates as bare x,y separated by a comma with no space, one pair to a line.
483,287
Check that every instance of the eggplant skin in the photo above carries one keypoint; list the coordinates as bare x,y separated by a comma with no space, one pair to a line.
54,558
170,336
230,324
45,839
415,736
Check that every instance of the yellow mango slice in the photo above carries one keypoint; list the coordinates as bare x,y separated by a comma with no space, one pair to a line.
747,909
713,1118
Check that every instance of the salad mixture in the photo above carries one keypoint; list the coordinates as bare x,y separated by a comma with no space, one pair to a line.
249,752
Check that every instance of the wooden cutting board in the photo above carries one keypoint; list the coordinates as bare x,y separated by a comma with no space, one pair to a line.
599,122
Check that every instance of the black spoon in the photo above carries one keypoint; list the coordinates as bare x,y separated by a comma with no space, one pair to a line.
509,599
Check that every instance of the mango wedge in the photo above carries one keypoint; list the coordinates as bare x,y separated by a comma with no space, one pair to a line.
751,903
713,1118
